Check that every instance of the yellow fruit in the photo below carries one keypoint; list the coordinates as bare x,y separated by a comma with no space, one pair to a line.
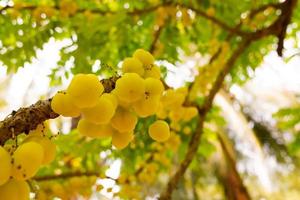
189,113
175,126
89,129
76,182
210,11
183,90
161,113
159,131
59,191
27,159
123,120
132,65
14,190
121,140
48,146
85,89
177,114
5,166
10,148
146,106
120,102
144,56
187,130
62,104
172,99
112,98
39,131
67,7
41,195
153,72
153,87
101,113
99,188
130,87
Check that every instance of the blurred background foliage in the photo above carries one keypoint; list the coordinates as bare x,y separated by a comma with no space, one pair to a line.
97,34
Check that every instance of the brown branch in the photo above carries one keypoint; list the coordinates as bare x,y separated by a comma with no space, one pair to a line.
27,119
195,140
274,29
262,8
91,173
232,181
279,25
95,11
287,9
199,12
141,168
234,30
68,175
156,36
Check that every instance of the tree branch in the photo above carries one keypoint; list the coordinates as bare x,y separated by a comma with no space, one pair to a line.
27,119
234,30
233,185
89,173
195,140
274,29
199,12
156,35
285,21
68,175
262,8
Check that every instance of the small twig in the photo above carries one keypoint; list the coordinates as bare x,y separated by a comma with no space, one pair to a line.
199,12
234,30
286,19
156,36
69,175
262,8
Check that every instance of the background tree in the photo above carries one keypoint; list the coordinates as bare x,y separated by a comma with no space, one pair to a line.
227,39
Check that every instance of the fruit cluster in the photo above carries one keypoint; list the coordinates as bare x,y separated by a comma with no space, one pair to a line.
18,164
137,93
172,107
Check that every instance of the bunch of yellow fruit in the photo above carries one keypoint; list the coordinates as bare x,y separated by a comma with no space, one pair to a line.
137,93
172,107
19,164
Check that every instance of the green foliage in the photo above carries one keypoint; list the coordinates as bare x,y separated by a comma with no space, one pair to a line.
114,32
288,118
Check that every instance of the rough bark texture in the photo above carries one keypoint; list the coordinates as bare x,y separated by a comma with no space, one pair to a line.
25,119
